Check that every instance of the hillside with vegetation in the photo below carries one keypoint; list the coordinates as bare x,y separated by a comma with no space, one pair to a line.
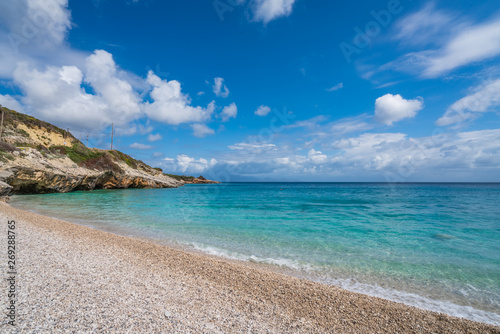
38,157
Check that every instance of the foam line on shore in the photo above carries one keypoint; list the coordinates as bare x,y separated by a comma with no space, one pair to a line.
408,298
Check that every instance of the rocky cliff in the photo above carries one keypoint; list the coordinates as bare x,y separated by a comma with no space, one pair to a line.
37,157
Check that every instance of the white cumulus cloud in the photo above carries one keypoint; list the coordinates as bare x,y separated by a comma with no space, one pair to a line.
56,94
317,157
116,93
35,23
201,130
394,108
230,111
220,89
154,137
262,111
171,106
268,10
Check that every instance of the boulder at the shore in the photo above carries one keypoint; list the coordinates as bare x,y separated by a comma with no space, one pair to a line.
5,189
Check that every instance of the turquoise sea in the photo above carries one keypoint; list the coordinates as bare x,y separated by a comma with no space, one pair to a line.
435,246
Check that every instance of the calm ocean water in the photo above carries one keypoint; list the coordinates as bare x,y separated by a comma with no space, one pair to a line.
435,246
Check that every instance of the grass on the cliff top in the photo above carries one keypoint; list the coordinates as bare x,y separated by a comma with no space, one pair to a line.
11,117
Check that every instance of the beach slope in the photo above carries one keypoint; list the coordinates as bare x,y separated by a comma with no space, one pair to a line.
73,278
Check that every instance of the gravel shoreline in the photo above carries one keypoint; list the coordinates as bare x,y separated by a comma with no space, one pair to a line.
75,279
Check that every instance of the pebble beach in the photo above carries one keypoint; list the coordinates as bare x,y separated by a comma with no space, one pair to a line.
75,279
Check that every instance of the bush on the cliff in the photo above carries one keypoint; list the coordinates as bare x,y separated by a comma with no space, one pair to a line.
5,151
181,177
23,133
78,152
58,150
88,158
103,162
125,158
42,149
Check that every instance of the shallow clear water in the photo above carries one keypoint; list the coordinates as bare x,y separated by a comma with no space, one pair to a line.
436,246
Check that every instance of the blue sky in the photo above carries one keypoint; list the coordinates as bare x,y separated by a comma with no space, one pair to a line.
267,90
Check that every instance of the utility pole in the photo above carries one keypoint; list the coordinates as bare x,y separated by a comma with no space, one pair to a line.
1,124
87,140
112,133
65,135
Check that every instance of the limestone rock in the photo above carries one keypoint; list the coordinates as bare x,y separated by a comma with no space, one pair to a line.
5,189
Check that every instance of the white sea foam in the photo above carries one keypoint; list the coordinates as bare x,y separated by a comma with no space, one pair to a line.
422,302
407,298
250,258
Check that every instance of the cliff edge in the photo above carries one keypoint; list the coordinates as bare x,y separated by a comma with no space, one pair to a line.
37,157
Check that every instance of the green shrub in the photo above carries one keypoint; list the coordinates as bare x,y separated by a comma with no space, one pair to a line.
6,152
181,177
23,133
177,177
23,144
88,158
3,157
103,162
79,153
125,158
58,150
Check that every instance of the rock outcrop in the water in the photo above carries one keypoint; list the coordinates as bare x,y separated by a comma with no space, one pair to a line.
37,157
200,180
191,179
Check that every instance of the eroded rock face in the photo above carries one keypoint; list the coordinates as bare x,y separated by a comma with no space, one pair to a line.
31,181
5,189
